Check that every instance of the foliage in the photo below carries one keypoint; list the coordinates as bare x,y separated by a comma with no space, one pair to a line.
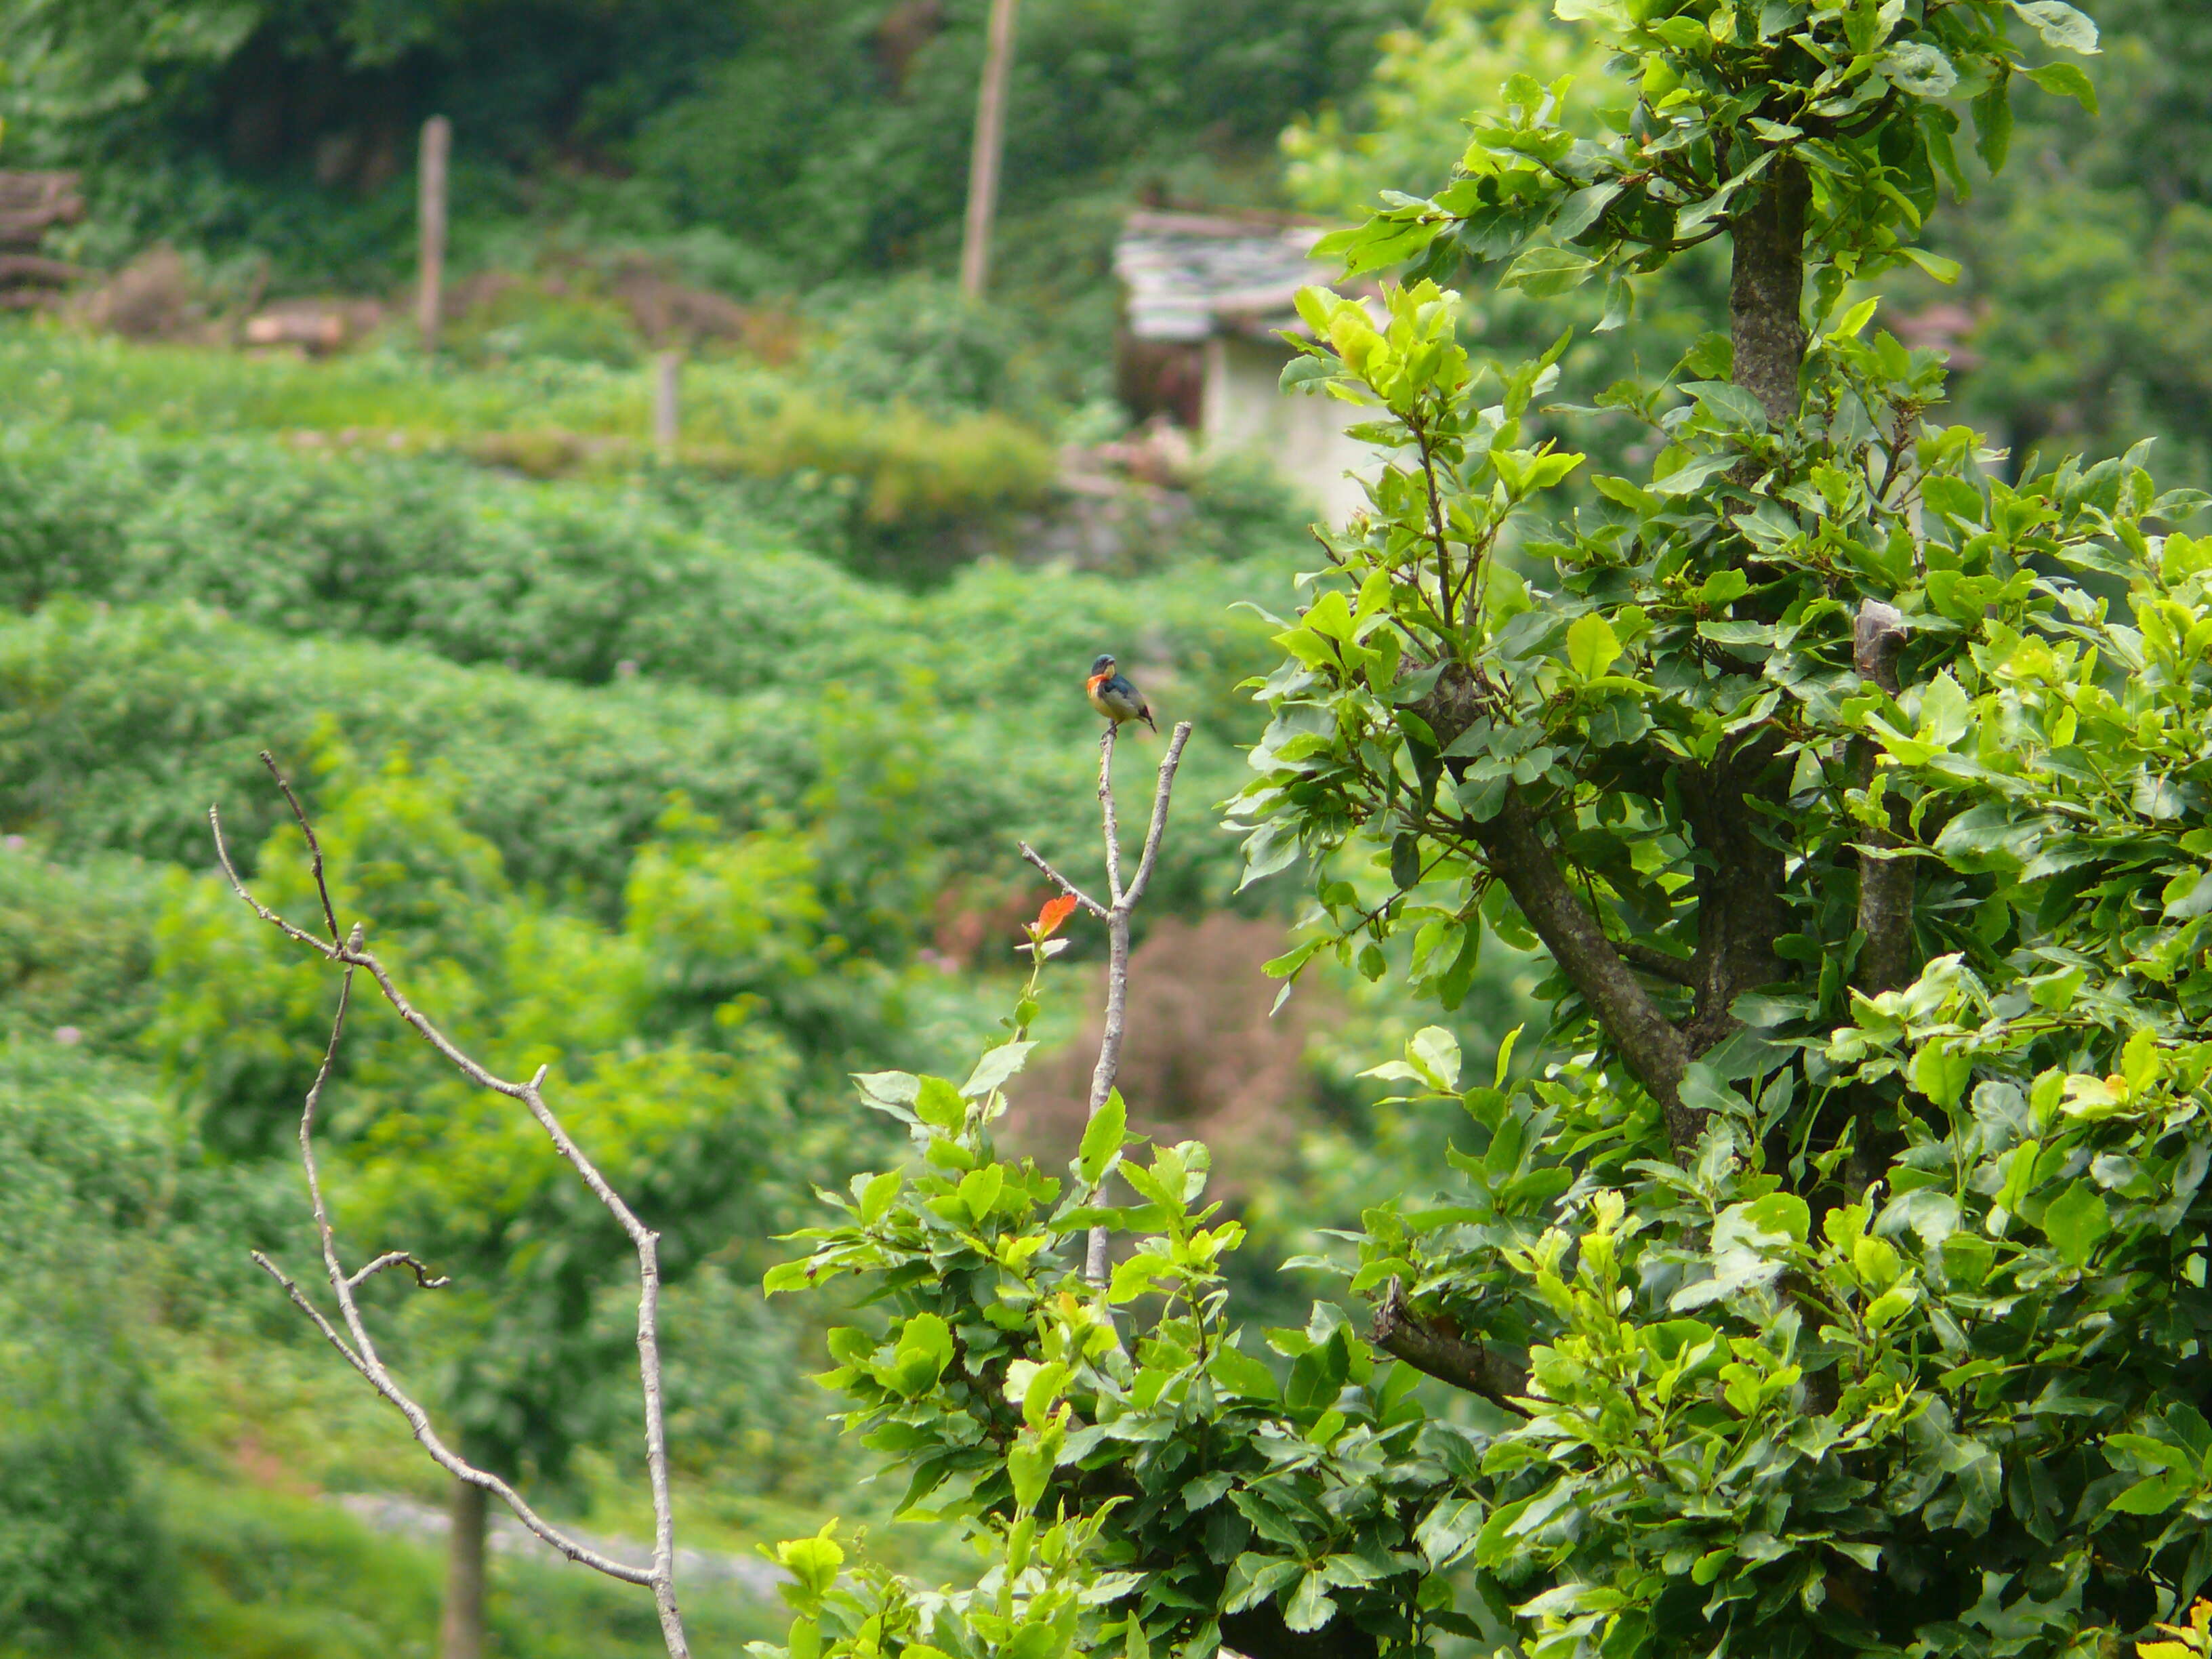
791,452
1842,1292
2085,260
1191,1461
821,140
1423,81
82,1555
122,727
74,948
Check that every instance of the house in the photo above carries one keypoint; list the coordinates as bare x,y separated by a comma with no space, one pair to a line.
1204,299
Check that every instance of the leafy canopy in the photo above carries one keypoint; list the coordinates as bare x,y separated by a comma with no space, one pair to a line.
1844,1290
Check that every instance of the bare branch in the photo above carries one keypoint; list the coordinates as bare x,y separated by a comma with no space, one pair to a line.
1115,915
424,1278
1169,763
361,1351
1063,883
1106,811
314,847
379,1379
1117,937
237,886
1444,1354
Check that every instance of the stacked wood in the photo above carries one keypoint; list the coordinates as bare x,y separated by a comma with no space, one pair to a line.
31,204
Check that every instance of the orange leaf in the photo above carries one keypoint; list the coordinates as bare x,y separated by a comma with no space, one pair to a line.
1056,911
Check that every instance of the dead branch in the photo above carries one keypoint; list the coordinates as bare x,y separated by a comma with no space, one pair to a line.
361,1351
1114,913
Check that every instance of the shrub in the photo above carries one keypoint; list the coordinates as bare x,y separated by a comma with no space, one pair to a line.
82,1551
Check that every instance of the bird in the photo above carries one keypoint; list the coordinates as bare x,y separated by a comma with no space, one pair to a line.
1112,696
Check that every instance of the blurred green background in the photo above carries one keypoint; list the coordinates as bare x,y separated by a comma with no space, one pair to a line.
695,777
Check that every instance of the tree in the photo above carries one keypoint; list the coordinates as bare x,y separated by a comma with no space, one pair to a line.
527,1348
1844,1291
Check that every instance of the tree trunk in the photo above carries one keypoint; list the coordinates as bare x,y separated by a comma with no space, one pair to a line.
1738,882
1767,288
461,1632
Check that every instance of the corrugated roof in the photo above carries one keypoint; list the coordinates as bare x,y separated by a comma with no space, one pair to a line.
1190,276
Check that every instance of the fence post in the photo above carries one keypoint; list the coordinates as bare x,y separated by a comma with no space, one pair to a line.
430,228
667,370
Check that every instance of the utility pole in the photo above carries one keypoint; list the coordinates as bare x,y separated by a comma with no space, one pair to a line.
430,228
990,141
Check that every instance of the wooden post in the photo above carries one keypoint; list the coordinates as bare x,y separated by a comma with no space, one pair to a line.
667,369
990,141
461,1630
430,228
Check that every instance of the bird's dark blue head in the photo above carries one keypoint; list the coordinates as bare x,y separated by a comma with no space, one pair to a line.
1103,666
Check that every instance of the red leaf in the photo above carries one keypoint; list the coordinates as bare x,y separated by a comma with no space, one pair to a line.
1056,911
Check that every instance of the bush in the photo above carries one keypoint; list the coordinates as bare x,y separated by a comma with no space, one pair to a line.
789,443
76,948
82,1552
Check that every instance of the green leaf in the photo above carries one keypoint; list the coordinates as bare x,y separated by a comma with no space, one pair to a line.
1103,1137
979,1191
1992,112
1435,1053
875,1197
2059,24
1945,713
1943,270
2152,1497
1029,1465
1245,1375
1592,646
1545,273
925,1349
996,1065
813,1562
2078,1221
1255,1579
1693,473
1732,408
1311,1608
938,1104
1915,67
2066,80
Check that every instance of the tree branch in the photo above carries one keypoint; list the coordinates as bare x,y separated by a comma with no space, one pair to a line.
1444,1354
1886,884
1117,917
1681,971
1515,847
1063,883
361,1351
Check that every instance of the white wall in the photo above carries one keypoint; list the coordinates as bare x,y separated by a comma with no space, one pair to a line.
1300,435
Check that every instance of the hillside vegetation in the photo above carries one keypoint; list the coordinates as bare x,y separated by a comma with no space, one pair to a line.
629,783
